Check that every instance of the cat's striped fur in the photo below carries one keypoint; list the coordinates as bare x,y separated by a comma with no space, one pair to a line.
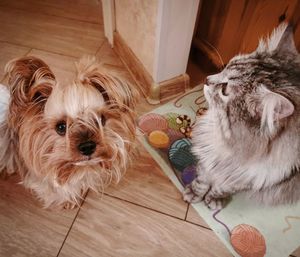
249,138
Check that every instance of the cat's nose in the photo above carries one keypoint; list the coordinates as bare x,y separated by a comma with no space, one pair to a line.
87,148
208,81
205,81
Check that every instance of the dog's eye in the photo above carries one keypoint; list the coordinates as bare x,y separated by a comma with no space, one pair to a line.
61,128
103,120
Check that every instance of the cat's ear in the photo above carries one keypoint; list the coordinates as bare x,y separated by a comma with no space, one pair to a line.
281,40
273,109
286,43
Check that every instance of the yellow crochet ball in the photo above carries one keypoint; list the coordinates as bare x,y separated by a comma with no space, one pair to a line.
158,139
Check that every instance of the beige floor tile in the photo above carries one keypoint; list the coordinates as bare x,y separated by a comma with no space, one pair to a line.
25,228
107,55
142,182
145,184
9,52
82,10
62,66
111,227
144,107
194,217
50,33
59,32
109,58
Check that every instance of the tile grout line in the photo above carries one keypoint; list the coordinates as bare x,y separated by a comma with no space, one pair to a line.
71,226
185,219
187,211
14,44
101,45
160,212
51,52
39,49
52,15
198,225
142,206
30,49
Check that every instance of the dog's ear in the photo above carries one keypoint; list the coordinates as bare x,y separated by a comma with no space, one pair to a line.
30,80
115,90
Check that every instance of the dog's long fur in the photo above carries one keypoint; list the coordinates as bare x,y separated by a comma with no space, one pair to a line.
96,106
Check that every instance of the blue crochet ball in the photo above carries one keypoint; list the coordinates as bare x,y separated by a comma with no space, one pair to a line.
180,154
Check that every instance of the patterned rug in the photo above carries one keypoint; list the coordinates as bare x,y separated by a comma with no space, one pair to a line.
246,228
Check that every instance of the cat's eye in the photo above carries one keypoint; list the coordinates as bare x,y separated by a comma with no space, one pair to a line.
224,89
61,128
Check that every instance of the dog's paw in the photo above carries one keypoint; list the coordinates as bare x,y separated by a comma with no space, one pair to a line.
69,206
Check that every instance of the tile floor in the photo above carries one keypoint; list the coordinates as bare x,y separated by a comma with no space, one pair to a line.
142,216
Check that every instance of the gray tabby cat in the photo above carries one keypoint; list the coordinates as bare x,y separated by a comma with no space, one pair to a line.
249,138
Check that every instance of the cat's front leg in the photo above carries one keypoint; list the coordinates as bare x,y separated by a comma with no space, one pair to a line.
196,191
216,198
220,192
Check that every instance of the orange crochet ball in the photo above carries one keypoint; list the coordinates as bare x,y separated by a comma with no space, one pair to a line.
248,241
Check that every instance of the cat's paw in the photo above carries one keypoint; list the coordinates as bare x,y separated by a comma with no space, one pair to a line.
190,197
215,203
195,192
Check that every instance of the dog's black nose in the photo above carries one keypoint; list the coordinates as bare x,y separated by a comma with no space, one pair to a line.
87,148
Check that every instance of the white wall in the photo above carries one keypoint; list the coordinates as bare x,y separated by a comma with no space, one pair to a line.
108,7
136,24
159,32
175,25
